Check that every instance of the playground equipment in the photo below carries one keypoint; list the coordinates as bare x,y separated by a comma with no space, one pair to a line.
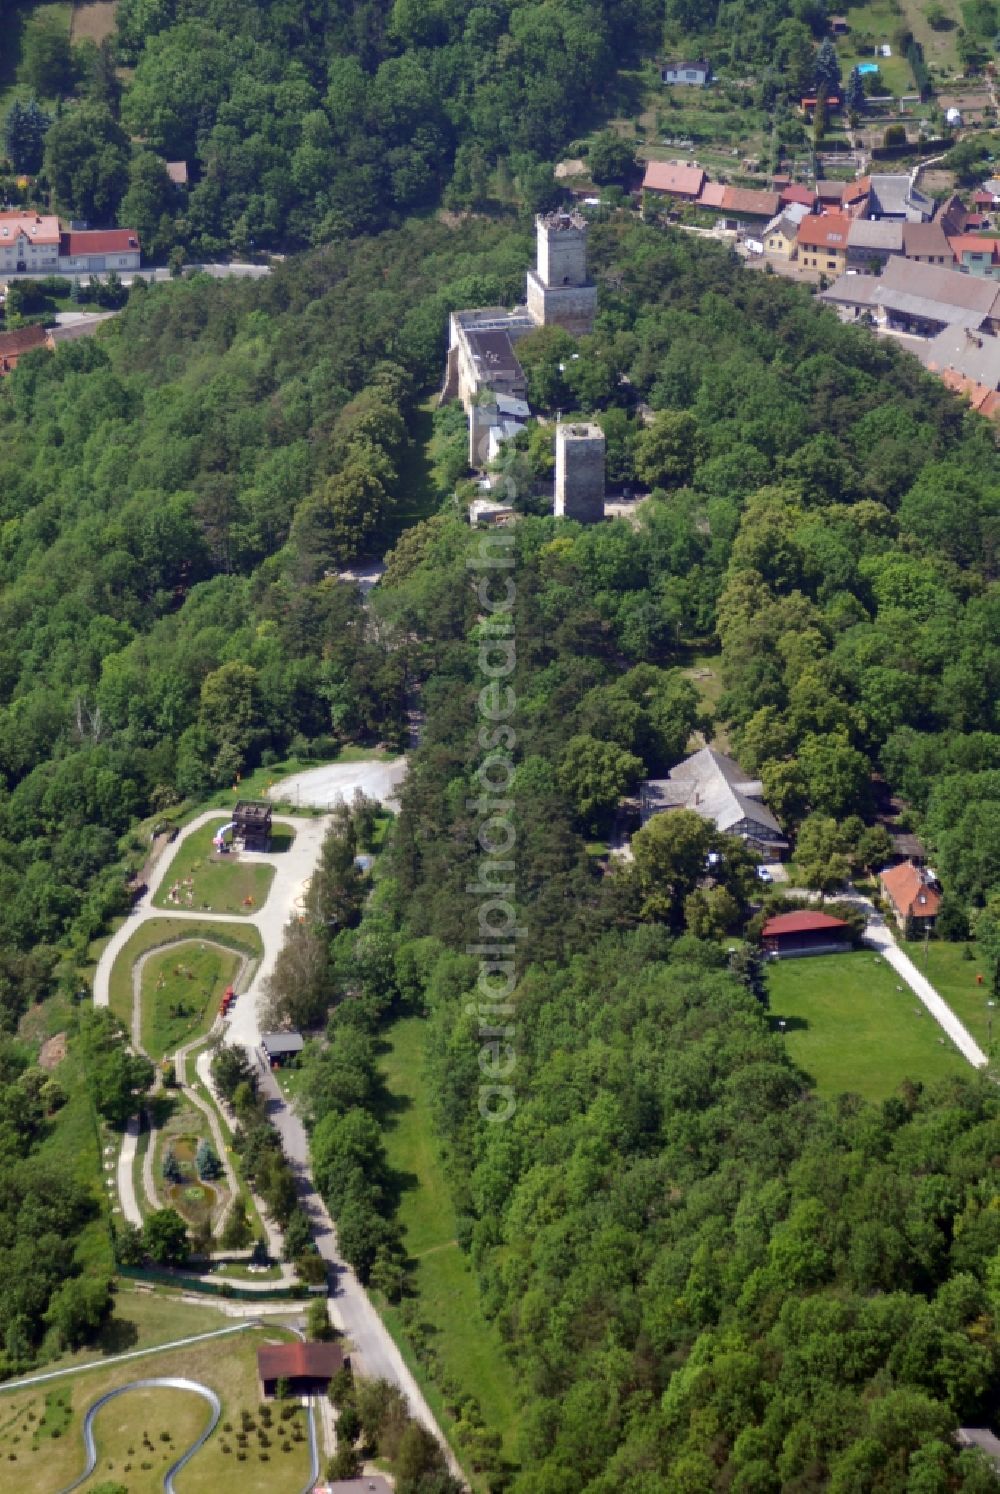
219,838
229,996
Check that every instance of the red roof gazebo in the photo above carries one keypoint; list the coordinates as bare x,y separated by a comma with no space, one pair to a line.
805,932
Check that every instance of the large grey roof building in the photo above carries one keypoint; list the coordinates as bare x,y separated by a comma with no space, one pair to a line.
913,297
715,787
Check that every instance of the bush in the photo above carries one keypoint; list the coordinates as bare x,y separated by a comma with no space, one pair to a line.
894,135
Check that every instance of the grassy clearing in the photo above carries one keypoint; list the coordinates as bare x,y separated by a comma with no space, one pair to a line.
93,21
203,880
182,986
227,1365
243,938
873,22
852,1030
953,976
470,1349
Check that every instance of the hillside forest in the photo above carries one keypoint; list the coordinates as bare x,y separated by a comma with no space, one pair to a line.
302,123
705,1276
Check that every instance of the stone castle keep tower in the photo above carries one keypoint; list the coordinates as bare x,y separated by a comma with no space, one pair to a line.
559,293
580,472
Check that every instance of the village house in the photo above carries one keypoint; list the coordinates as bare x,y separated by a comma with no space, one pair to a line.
689,74
968,361
927,244
31,244
716,787
781,234
977,255
913,895
746,207
789,936
830,195
894,196
795,194
870,243
822,243
97,250
14,345
674,179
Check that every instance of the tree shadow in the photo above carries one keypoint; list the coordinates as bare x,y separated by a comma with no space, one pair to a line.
780,1024
160,1107
117,1335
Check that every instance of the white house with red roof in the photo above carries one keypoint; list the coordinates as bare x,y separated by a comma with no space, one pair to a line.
99,249
29,243
35,244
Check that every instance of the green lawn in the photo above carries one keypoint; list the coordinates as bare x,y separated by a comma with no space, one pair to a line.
470,1349
851,1029
954,978
131,1446
182,986
876,21
243,938
204,880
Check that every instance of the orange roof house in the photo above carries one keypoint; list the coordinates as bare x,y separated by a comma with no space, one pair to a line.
913,895
676,181
35,228
822,242
746,202
983,399
712,195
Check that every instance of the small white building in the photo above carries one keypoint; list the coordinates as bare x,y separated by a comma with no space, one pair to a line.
689,74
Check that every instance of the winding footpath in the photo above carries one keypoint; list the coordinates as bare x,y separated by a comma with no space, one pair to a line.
374,1350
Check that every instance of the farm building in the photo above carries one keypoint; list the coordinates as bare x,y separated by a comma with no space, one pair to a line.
791,935
307,1368
281,1047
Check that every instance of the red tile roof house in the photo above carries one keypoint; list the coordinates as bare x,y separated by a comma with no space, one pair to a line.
795,192
789,936
912,894
100,249
682,182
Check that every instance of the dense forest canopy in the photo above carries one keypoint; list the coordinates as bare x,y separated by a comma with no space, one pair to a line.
707,1278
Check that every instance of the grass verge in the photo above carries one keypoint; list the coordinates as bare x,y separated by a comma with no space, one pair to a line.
469,1349
954,976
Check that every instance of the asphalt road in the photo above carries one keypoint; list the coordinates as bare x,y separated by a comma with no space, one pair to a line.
374,1350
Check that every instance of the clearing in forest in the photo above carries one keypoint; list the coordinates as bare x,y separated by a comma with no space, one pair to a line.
854,1027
